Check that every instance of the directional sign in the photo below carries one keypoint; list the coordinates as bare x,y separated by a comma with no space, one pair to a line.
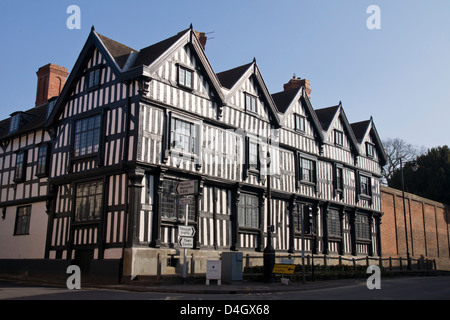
184,231
185,200
287,261
186,188
284,269
187,243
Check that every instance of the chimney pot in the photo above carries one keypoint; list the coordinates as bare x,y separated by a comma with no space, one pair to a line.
296,83
51,80
202,38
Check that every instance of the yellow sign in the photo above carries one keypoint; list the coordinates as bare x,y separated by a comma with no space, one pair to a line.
284,268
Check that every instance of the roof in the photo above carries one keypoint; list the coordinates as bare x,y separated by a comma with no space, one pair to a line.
35,119
118,51
229,78
149,54
360,129
326,116
284,99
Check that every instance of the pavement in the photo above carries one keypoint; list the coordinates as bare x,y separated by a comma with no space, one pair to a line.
243,287
238,287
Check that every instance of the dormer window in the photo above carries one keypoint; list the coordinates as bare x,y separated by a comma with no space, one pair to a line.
370,150
94,78
299,123
185,77
338,138
14,123
250,103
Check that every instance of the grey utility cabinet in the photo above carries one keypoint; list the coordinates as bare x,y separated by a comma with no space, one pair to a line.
232,267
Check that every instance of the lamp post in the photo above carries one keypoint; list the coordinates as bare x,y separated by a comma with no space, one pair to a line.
269,252
404,212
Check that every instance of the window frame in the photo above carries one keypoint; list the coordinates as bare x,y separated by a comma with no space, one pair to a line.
362,228
370,150
338,180
182,80
194,137
14,123
334,223
254,166
170,200
45,164
98,201
366,192
96,74
300,119
313,171
250,107
76,154
338,138
22,226
247,212
20,175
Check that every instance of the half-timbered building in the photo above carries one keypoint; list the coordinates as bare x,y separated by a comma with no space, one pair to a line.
25,148
129,125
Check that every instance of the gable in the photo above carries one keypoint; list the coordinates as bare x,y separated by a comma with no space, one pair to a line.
366,133
248,81
334,119
94,55
293,103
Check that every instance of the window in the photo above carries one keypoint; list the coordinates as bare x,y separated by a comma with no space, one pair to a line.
14,123
370,150
88,202
339,179
42,165
300,123
94,78
87,136
248,211
22,226
308,217
183,136
250,103
362,227
308,170
253,159
185,77
334,223
170,208
21,162
338,138
365,186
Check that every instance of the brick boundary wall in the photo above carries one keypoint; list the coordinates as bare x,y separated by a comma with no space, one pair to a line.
428,227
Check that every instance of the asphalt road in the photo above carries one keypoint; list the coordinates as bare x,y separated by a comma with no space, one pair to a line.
401,288
276,305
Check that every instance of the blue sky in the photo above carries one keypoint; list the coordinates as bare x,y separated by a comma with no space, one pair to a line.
399,75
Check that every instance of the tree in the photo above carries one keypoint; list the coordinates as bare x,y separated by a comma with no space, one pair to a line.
431,179
397,149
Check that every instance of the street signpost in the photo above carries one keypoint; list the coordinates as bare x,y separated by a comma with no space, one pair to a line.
186,233
186,242
284,269
187,188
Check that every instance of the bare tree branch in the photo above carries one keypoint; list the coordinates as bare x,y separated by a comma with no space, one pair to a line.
397,149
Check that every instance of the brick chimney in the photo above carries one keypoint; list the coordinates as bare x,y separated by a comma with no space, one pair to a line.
51,80
202,37
296,83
